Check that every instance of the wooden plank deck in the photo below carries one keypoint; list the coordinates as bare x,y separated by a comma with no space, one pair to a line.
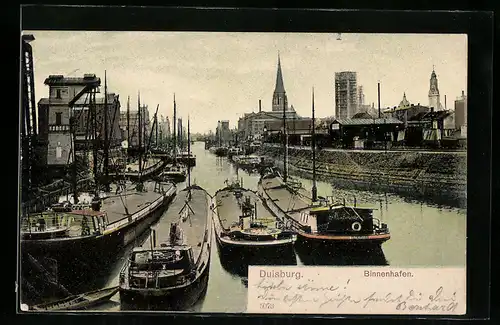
135,201
193,227
229,210
285,199
135,166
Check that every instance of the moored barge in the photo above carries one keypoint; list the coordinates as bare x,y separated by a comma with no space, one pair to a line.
324,221
82,241
244,226
172,267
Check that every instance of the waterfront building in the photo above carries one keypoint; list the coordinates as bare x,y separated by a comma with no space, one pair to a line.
135,126
346,94
223,133
180,133
54,115
461,114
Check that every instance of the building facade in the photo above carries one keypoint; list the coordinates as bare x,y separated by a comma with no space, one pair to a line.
461,114
136,124
346,94
55,114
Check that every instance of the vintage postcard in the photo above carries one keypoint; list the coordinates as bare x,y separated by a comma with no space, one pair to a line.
304,173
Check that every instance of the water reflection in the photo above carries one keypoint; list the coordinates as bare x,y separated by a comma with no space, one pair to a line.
237,264
325,254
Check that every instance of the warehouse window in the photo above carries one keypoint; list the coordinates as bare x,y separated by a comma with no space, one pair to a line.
58,118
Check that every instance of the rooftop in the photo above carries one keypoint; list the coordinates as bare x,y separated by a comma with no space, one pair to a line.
80,102
367,121
60,80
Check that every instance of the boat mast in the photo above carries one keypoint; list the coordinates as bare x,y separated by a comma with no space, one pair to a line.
128,120
146,147
313,148
95,146
156,130
106,136
174,134
218,134
285,143
189,154
140,132
74,174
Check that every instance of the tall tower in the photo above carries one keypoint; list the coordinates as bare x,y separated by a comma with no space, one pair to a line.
346,94
434,100
279,96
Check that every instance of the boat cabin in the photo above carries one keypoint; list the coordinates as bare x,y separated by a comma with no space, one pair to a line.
339,219
92,222
164,258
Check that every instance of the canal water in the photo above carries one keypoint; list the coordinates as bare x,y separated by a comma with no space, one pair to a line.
423,234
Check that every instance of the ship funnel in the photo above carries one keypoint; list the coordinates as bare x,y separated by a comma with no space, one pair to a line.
96,203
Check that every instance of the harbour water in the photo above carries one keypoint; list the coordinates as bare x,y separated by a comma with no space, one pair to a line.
423,235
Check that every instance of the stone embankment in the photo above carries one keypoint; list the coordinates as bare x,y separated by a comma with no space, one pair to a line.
432,175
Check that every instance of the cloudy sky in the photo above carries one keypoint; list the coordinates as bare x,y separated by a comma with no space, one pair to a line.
219,76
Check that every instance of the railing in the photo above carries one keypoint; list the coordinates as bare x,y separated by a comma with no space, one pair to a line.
76,224
49,197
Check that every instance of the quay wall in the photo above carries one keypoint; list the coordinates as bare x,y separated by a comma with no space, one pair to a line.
437,176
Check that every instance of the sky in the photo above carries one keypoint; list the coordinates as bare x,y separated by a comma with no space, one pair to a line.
221,76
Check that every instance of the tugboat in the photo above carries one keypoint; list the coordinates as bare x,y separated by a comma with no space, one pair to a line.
319,220
173,271
187,158
243,226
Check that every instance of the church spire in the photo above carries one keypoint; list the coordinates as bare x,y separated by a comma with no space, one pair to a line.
279,88
279,96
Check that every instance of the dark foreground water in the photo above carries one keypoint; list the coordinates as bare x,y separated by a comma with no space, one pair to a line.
423,234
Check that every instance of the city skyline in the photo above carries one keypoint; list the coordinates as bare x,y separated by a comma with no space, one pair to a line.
221,76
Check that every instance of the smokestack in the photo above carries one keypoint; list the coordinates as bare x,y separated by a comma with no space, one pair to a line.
379,99
444,101
260,106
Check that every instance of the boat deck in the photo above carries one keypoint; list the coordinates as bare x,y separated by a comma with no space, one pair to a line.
290,203
150,162
132,199
193,225
229,210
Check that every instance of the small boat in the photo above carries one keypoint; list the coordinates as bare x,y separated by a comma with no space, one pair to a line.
234,151
78,302
219,151
243,224
186,158
175,173
175,267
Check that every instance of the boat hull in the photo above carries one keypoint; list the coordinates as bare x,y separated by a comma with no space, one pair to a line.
270,248
74,303
180,297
